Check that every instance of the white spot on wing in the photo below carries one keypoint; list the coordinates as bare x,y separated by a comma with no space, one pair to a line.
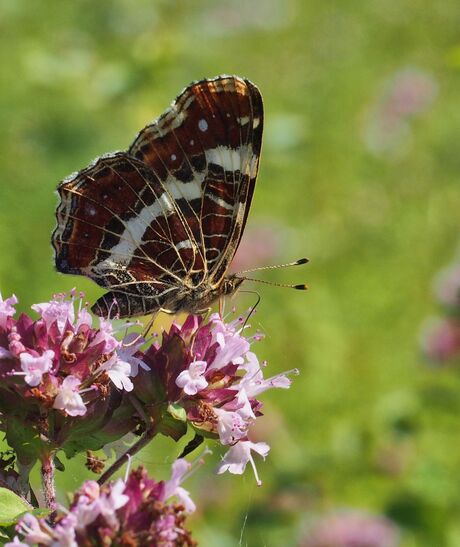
203,125
231,159
173,157
243,121
220,201
186,244
256,123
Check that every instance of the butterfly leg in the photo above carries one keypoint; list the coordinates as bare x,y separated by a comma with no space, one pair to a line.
153,318
169,312
205,313
150,323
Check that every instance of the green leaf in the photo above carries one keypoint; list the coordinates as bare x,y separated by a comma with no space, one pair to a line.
11,507
177,412
58,463
171,427
24,439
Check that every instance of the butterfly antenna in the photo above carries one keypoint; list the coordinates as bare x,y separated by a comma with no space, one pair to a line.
300,287
295,263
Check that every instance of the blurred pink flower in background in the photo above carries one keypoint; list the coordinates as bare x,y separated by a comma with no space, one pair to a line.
440,336
260,246
440,339
352,529
447,287
407,94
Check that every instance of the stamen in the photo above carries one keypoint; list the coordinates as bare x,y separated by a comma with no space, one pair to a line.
196,463
128,467
254,468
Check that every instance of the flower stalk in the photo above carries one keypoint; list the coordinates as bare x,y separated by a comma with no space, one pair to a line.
134,449
48,483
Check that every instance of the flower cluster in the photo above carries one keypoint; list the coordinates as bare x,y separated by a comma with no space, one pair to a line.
66,385
440,338
56,368
204,374
136,512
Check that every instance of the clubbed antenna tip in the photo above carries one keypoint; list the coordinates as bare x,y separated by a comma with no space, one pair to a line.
301,287
301,261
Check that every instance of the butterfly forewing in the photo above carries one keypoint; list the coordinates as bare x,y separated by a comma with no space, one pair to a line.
167,215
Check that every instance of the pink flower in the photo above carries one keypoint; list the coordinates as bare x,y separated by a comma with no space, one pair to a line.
108,504
59,311
31,527
407,94
128,351
105,336
139,509
231,346
7,309
440,339
192,380
35,367
83,318
68,398
165,527
58,364
119,372
64,532
256,384
172,487
208,371
86,508
239,455
447,287
231,426
260,245
352,529
5,353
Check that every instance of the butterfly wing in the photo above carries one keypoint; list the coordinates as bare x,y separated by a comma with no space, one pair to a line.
117,225
171,210
210,138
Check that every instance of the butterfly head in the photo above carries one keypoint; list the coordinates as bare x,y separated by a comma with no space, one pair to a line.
231,284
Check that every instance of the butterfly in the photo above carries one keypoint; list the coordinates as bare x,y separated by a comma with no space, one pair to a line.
159,224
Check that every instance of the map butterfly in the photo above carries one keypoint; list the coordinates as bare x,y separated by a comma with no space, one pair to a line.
158,224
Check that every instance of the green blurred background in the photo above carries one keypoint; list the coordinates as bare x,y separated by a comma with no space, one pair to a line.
359,172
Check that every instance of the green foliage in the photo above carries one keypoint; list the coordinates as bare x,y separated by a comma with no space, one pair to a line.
367,424
11,507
